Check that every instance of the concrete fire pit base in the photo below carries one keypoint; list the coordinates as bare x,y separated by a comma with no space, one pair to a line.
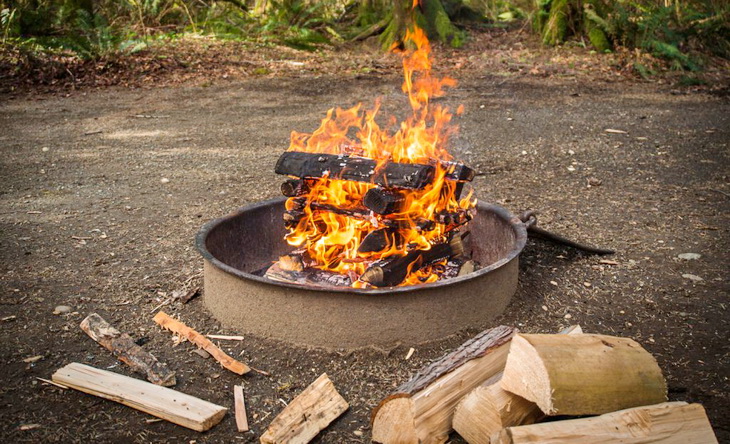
341,318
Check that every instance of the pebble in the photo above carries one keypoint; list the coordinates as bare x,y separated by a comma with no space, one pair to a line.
568,316
544,307
692,277
587,284
357,433
45,149
62,309
689,256
164,180
553,283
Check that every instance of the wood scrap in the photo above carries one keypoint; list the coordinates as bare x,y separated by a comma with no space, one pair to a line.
240,409
584,374
307,414
171,405
665,423
421,410
126,350
166,322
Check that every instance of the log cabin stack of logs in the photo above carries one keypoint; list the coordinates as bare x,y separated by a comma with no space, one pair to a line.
504,387
383,206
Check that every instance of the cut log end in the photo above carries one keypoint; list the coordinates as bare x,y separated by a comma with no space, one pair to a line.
393,422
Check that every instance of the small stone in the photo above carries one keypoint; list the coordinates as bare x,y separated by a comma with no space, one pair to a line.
544,308
553,283
45,149
357,433
689,256
202,353
568,316
62,309
587,284
510,119
164,180
571,168
571,152
692,277
594,182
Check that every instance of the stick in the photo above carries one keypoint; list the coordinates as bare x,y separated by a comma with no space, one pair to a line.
124,349
240,408
171,405
166,322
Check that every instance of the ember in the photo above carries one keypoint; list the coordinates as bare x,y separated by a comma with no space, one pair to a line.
372,206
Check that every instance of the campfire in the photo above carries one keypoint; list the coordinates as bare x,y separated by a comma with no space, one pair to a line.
372,206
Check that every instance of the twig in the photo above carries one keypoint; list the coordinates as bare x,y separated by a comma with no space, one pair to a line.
48,381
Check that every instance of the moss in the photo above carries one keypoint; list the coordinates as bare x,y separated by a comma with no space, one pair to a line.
598,39
556,28
439,25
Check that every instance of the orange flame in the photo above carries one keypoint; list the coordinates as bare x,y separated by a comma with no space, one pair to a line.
332,240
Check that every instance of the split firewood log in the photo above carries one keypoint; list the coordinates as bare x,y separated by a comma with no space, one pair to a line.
582,374
666,423
421,410
488,408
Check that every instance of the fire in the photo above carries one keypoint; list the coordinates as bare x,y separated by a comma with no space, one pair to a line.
332,240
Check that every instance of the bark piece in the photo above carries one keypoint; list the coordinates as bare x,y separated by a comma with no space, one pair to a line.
488,408
666,423
378,240
582,374
421,410
240,406
166,322
168,404
124,348
360,169
307,414
384,201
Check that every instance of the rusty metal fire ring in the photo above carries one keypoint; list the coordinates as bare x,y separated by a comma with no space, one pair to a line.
235,246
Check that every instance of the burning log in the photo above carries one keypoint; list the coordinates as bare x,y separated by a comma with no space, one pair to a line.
307,276
458,267
582,374
384,201
127,351
459,217
359,169
378,240
421,410
292,218
458,172
294,187
307,414
393,270
668,422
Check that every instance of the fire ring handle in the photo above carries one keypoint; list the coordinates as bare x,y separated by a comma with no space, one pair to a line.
529,218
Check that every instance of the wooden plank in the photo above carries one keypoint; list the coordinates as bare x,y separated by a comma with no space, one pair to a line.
124,349
421,410
359,169
168,404
307,414
584,374
166,322
240,408
665,423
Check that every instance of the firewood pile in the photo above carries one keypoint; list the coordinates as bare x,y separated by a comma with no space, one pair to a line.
505,387
383,245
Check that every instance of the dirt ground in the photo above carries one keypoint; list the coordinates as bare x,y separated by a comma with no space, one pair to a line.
88,222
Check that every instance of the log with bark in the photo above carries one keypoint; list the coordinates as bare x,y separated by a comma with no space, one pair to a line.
582,374
307,276
666,423
421,410
162,402
127,351
393,270
175,326
384,201
378,240
488,408
307,414
359,169
294,187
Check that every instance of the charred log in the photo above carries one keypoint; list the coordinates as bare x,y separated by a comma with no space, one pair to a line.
393,270
308,276
359,169
459,217
378,240
458,172
383,201
294,187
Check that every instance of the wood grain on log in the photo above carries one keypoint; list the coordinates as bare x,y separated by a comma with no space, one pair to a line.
125,349
665,423
421,410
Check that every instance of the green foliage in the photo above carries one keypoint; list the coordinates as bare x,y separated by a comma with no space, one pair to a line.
669,30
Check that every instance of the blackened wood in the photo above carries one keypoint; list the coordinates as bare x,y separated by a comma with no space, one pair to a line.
294,187
292,218
127,351
377,240
458,172
458,217
458,267
307,276
359,169
384,201
393,270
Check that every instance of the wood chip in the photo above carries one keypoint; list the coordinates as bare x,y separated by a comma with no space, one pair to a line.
26,427
33,359
615,131
240,407
226,338
608,262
